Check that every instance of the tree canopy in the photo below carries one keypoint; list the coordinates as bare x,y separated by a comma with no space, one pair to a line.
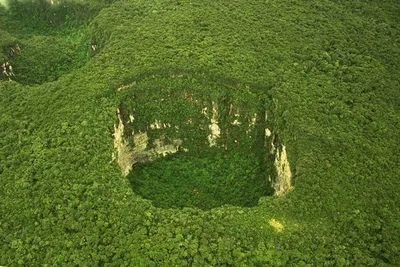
330,68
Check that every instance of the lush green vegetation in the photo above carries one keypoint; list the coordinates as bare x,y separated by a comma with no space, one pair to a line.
238,171
51,38
331,69
187,180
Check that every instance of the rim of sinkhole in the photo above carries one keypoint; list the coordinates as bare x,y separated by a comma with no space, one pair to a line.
186,140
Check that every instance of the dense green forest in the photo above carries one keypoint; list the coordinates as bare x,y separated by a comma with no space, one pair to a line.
328,71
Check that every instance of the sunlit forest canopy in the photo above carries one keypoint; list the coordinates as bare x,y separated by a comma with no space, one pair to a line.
128,134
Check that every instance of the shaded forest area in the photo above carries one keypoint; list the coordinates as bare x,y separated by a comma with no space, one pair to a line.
331,69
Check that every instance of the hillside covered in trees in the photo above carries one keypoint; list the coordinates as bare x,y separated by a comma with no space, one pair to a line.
151,133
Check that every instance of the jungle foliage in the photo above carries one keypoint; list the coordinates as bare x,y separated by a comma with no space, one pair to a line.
187,180
238,170
331,69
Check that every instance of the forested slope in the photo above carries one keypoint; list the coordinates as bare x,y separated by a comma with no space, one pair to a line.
331,68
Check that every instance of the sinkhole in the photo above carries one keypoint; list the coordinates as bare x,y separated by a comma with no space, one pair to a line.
42,40
186,140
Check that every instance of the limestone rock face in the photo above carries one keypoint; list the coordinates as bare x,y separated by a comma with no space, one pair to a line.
283,180
128,156
124,154
214,127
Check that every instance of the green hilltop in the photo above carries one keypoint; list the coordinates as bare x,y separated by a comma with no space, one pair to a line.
326,72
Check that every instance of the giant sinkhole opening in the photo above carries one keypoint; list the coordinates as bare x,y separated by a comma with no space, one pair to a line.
43,40
186,140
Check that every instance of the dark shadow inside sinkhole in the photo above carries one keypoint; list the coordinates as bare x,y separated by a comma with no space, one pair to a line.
214,178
